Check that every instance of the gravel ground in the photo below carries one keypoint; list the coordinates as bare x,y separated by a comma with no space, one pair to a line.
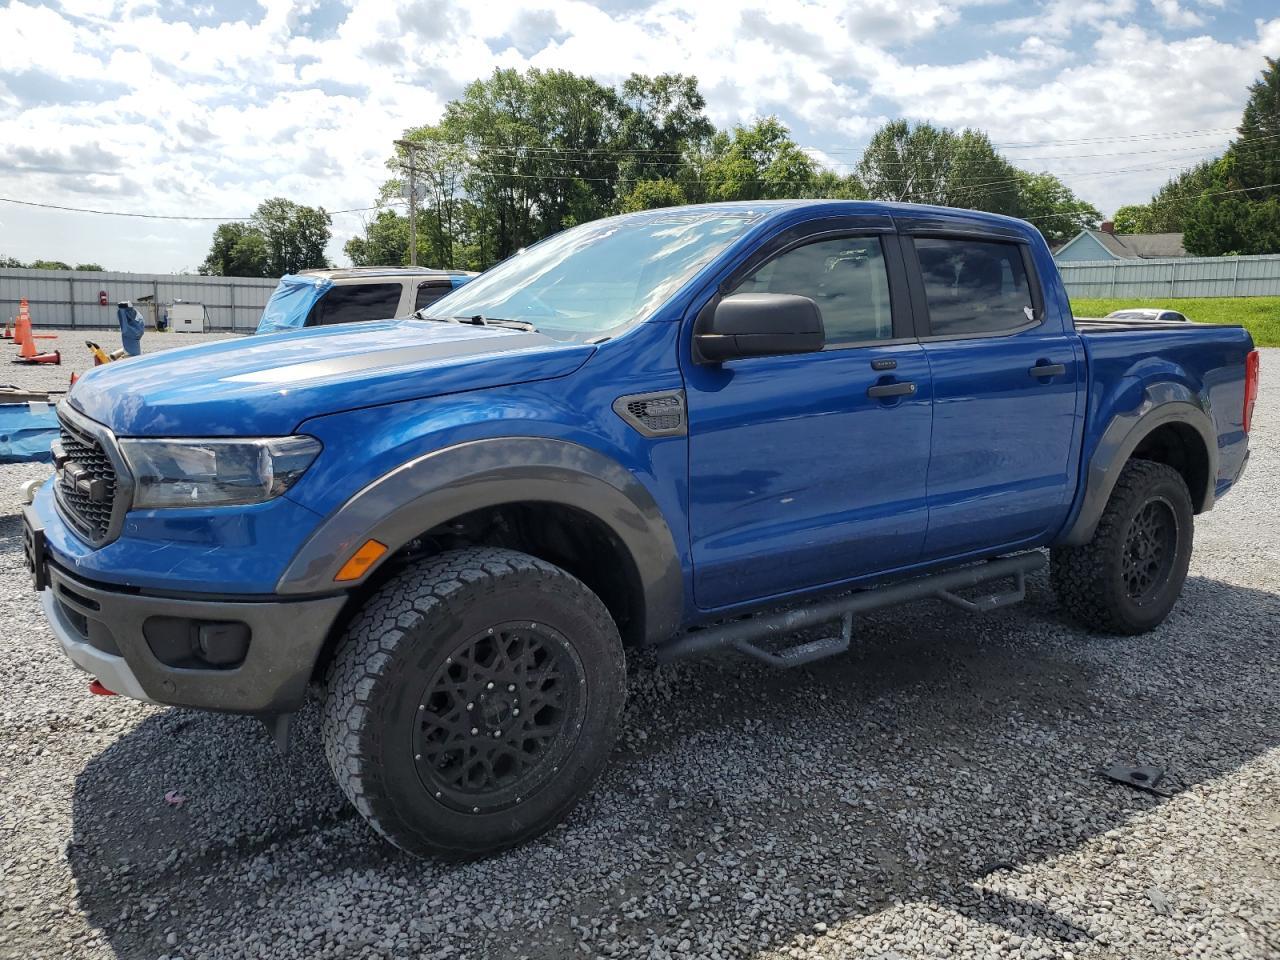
932,794
76,356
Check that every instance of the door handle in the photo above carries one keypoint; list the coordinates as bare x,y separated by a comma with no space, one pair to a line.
1048,369
900,389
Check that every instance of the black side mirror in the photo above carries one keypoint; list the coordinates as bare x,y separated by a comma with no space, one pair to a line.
758,325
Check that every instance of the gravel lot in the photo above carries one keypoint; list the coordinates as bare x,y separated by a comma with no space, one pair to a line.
76,356
932,794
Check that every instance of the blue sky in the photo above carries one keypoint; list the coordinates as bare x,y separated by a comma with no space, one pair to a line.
206,108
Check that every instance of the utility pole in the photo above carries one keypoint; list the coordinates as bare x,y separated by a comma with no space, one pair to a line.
411,148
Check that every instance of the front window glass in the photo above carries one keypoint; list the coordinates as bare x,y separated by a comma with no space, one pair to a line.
594,280
846,278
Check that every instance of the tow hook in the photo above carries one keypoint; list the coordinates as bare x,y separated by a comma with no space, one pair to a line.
98,690
30,489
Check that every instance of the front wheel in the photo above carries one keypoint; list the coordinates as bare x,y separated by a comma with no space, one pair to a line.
1128,577
472,701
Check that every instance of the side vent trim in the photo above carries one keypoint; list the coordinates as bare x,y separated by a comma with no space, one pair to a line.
660,414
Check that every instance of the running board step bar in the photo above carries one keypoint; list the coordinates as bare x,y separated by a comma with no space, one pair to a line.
751,635
801,653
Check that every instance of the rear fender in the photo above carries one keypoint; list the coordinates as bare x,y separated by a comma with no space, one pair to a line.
1162,403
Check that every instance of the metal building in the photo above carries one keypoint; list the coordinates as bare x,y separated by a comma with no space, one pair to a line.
74,298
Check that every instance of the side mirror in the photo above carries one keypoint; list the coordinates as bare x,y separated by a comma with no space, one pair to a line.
758,325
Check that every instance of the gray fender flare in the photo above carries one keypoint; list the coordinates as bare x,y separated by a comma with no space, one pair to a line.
447,483
1162,404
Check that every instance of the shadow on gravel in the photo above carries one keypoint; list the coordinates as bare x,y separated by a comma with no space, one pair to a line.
749,803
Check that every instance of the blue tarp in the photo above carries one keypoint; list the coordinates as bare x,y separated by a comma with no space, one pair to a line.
26,431
291,301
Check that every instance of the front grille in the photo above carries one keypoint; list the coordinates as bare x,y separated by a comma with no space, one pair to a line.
87,485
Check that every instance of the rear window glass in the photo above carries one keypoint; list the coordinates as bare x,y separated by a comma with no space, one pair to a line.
355,302
974,286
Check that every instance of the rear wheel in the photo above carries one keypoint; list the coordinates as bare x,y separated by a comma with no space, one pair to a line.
1128,577
472,701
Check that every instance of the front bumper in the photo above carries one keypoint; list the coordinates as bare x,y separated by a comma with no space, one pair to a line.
104,631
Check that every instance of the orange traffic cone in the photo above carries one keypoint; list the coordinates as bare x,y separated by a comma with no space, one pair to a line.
22,326
74,377
8,334
28,350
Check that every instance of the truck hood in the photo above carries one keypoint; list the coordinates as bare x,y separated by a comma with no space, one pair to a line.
266,386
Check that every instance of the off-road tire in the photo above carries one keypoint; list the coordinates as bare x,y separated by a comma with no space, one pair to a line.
1090,580
399,644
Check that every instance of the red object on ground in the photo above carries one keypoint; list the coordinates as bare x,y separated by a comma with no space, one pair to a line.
55,358
98,690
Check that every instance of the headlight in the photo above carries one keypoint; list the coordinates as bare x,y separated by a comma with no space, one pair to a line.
206,473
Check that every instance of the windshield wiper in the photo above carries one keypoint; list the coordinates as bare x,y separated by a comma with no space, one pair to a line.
479,320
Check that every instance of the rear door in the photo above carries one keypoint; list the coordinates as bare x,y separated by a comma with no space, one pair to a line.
1006,383
809,469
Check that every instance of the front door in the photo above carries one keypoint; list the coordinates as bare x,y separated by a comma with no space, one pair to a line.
809,469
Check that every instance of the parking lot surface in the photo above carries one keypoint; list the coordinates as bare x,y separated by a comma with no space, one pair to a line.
934,793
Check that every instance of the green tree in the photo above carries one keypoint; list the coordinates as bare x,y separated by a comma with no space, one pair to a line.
756,162
91,267
385,242
295,235
238,250
11,262
48,265
521,155
928,164
662,119
281,237
829,185
1215,225
1132,218
1049,204
1257,150
1170,206
650,194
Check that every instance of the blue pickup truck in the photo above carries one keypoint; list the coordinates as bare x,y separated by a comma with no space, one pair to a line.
710,428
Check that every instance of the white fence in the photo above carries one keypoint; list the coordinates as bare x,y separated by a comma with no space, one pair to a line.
70,298
1170,279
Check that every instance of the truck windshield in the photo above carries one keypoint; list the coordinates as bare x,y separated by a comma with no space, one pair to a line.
594,280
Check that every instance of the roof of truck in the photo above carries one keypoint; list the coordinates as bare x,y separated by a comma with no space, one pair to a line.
772,208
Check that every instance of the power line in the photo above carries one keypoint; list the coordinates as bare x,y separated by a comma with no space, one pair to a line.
156,216
1186,198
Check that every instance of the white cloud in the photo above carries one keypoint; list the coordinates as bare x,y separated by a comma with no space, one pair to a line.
1175,15
896,21
1060,18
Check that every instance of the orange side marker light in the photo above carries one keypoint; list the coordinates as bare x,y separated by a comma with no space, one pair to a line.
361,561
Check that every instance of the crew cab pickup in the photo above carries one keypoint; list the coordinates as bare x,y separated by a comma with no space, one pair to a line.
698,429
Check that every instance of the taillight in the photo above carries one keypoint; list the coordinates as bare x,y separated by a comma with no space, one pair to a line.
1252,368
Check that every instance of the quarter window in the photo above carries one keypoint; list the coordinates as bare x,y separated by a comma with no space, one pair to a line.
846,278
974,286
